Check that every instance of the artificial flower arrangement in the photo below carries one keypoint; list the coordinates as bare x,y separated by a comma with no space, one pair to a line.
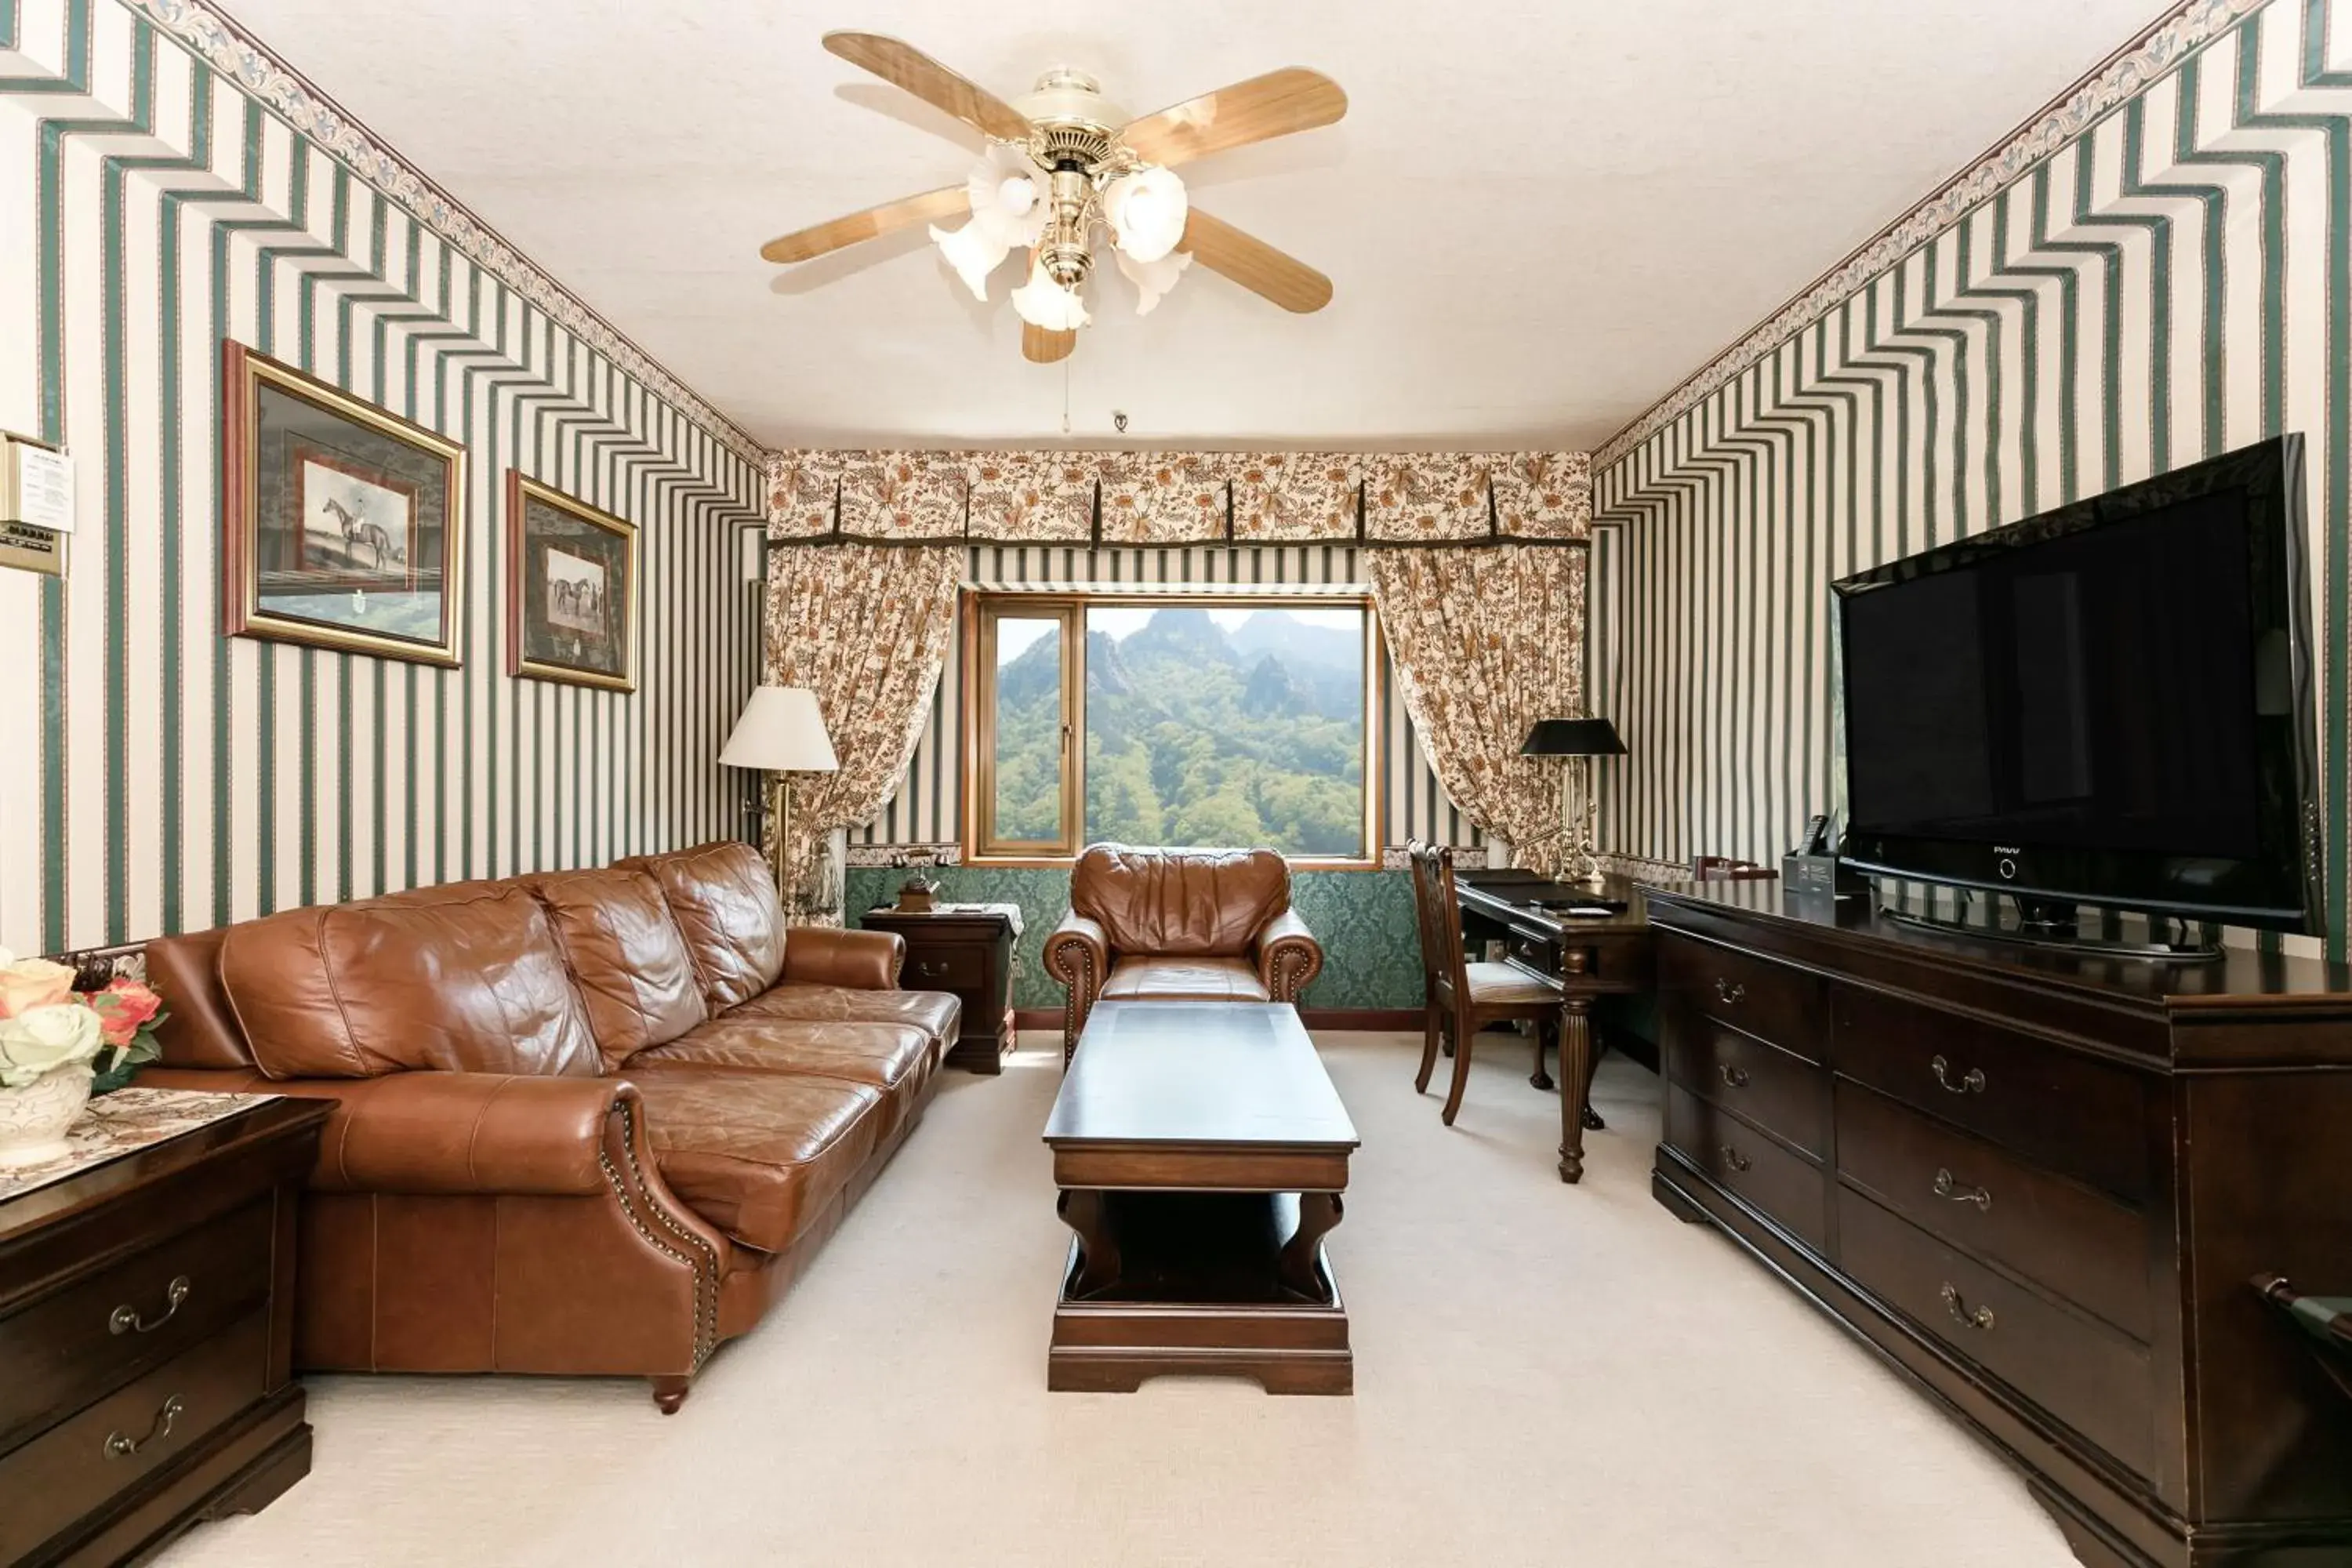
55,1040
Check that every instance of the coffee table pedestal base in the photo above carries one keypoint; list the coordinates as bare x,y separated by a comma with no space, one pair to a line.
1113,1346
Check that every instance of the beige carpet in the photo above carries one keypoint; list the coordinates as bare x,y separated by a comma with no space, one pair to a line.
1544,1374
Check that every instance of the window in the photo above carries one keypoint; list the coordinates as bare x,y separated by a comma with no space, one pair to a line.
1227,722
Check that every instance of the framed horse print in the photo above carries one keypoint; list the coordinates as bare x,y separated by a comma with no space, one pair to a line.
343,525
572,589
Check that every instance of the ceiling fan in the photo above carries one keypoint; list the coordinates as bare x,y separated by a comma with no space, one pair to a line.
1061,161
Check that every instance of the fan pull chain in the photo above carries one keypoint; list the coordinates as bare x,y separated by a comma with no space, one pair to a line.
1066,396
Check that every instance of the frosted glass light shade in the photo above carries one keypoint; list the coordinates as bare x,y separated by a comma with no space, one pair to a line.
972,252
1146,212
1043,303
780,731
1007,199
1152,279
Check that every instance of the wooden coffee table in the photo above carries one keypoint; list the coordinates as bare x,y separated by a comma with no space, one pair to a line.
1201,1150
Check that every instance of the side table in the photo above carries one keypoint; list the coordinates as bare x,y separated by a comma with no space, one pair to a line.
966,949
147,1324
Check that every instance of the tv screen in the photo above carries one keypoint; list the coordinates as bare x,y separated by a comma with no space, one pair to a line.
2108,704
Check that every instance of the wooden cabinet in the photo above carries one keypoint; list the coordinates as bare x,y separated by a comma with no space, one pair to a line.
146,1326
2041,1186
967,950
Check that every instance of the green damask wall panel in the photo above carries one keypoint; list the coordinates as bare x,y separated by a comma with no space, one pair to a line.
1371,953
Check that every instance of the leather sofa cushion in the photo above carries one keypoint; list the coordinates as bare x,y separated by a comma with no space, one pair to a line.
937,1014
881,1054
723,898
466,978
1138,979
626,956
198,1030
759,1154
1185,903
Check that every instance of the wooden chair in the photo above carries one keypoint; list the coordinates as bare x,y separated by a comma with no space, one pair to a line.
1461,997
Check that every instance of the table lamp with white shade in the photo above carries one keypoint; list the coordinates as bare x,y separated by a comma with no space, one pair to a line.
781,733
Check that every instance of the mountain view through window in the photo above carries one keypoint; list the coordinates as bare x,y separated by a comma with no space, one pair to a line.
1205,725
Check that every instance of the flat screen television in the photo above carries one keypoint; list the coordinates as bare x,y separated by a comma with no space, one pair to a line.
2108,704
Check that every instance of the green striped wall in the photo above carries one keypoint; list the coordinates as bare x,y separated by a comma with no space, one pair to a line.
2172,280
157,776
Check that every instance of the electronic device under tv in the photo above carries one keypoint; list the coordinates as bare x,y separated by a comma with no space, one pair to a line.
2108,704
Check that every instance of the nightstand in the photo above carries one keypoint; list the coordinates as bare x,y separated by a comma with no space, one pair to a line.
147,1325
966,949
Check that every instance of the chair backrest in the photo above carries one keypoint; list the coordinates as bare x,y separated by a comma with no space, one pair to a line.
1725,868
1179,903
1441,956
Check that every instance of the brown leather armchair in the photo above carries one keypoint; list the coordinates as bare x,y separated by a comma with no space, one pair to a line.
586,1122
1178,925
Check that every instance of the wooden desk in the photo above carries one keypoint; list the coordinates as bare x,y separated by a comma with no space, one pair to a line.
1580,958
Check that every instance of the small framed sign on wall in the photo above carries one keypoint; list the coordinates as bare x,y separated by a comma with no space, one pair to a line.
344,524
572,589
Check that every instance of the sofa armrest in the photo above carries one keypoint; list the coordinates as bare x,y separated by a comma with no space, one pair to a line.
1077,953
856,959
1289,957
446,1132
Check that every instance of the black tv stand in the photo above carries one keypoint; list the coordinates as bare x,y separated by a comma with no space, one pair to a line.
2056,925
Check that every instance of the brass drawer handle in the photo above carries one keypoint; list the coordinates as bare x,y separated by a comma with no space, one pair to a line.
1948,1186
1735,1159
1728,994
118,1447
125,1319
1733,1077
1980,1318
1972,1083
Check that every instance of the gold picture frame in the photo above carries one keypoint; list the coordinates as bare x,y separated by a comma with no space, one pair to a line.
572,589
344,526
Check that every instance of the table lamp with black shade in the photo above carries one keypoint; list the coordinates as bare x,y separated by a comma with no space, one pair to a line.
1588,739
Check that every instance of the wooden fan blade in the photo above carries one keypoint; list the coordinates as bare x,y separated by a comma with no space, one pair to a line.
1253,264
804,244
1039,346
1258,110
905,66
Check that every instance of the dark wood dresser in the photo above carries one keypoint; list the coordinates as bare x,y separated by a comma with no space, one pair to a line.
967,950
2043,1186
146,1333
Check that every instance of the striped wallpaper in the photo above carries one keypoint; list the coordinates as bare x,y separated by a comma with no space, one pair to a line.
161,777
928,805
2171,281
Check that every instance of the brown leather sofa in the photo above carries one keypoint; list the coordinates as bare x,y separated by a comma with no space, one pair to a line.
1178,925
587,1122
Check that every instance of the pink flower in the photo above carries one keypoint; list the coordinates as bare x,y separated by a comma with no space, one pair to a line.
33,983
123,1008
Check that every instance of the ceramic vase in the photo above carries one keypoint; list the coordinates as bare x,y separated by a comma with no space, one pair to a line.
34,1119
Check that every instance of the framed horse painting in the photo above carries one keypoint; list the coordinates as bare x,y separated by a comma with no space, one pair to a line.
572,589
342,525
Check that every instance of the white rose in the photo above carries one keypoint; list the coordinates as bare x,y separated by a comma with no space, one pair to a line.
39,1039
6,958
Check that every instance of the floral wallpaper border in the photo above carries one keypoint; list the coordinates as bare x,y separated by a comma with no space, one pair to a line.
2160,45
1169,497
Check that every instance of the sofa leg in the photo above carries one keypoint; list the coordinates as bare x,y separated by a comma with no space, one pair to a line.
669,1393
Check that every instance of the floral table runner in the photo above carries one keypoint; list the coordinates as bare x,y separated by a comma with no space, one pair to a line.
124,1122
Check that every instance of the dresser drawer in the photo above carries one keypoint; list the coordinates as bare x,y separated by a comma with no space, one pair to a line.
2076,1242
67,1347
113,1445
1768,1000
2092,1378
1785,1186
940,967
1779,1091
2055,1107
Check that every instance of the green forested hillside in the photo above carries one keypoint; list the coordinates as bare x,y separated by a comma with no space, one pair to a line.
1197,733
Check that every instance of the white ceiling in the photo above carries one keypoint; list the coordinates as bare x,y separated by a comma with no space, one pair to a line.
1540,216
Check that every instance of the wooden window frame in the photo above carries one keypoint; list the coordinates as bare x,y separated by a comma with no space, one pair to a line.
983,607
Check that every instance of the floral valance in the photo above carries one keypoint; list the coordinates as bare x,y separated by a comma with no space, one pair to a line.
1180,498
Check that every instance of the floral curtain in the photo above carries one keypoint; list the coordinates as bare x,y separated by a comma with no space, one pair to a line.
1486,642
866,628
